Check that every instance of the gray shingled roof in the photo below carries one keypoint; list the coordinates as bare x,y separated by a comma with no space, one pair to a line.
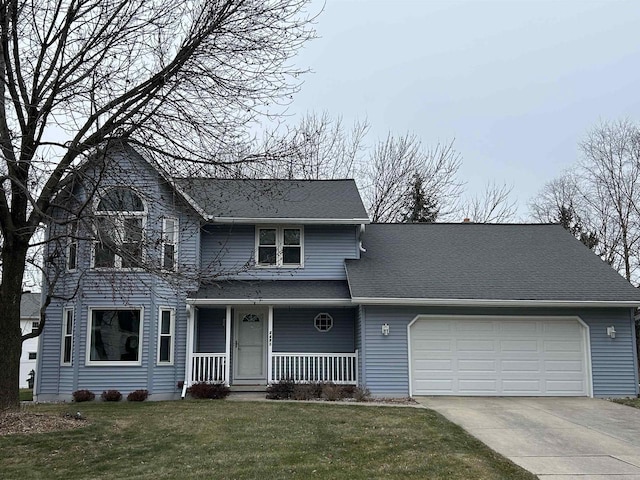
30,305
274,290
476,261
279,199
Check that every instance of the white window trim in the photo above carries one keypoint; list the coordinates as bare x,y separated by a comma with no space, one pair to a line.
125,363
279,245
118,217
65,335
175,242
172,331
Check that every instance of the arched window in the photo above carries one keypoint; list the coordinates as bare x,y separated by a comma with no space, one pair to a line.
120,221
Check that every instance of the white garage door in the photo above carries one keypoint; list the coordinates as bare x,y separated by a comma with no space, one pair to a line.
505,357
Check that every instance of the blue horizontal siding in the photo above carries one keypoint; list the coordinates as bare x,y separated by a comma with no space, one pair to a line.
294,330
210,333
228,251
385,369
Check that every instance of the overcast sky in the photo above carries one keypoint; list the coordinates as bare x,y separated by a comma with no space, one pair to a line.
517,83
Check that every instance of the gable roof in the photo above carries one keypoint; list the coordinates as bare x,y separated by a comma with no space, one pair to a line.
267,201
482,263
30,305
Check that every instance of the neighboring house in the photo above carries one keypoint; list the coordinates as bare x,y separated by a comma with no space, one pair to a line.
256,281
29,321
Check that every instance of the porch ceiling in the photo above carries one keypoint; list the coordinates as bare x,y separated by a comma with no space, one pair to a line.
272,292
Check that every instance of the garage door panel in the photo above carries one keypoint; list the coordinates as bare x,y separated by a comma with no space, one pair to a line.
434,345
519,346
476,365
562,366
475,345
521,387
494,357
479,328
431,365
562,386
518,328
520,366
562,346
477,386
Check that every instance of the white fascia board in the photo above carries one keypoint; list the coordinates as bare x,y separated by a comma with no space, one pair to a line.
453,302
281,220
203,302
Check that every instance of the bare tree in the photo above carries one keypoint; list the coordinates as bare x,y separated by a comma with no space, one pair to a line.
179,78
392,168
318,147
601,194
611,171
493,206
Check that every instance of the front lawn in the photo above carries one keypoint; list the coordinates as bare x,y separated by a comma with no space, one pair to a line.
247,440
26,395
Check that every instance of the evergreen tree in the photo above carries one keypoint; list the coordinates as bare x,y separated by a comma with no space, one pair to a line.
571,221
421,207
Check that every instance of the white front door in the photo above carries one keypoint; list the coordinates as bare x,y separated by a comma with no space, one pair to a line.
250,345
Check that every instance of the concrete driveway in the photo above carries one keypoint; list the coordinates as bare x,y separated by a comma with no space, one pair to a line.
555,438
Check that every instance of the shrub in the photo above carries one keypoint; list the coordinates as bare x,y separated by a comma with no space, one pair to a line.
214,391
111,396
306,391
83,395
283,390
180,384
138,396
333,392
361,394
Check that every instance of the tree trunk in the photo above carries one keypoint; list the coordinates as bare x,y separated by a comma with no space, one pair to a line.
13,261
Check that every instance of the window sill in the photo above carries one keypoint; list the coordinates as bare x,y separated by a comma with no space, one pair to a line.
112,364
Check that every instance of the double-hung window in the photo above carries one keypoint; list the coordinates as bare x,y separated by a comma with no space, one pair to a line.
169,254
120,221
67,336
279,246
166,328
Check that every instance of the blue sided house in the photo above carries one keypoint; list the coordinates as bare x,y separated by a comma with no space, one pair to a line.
161,282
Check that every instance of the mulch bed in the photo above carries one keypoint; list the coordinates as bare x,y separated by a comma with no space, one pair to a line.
25,422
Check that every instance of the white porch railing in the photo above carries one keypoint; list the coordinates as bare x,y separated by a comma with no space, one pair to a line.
339,368
208,367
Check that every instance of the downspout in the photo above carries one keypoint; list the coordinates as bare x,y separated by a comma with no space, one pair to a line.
360,235
189,352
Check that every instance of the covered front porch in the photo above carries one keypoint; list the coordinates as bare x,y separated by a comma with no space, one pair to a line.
263,341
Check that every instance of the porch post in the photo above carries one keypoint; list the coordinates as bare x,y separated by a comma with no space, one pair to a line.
269,344
227,363
191,312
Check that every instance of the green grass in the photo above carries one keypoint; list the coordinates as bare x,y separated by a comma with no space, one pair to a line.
251,440
26,395
631,402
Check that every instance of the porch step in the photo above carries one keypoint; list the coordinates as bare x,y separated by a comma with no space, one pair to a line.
248,388
247,396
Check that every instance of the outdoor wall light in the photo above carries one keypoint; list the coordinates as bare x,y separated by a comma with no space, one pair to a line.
611,331
385,329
